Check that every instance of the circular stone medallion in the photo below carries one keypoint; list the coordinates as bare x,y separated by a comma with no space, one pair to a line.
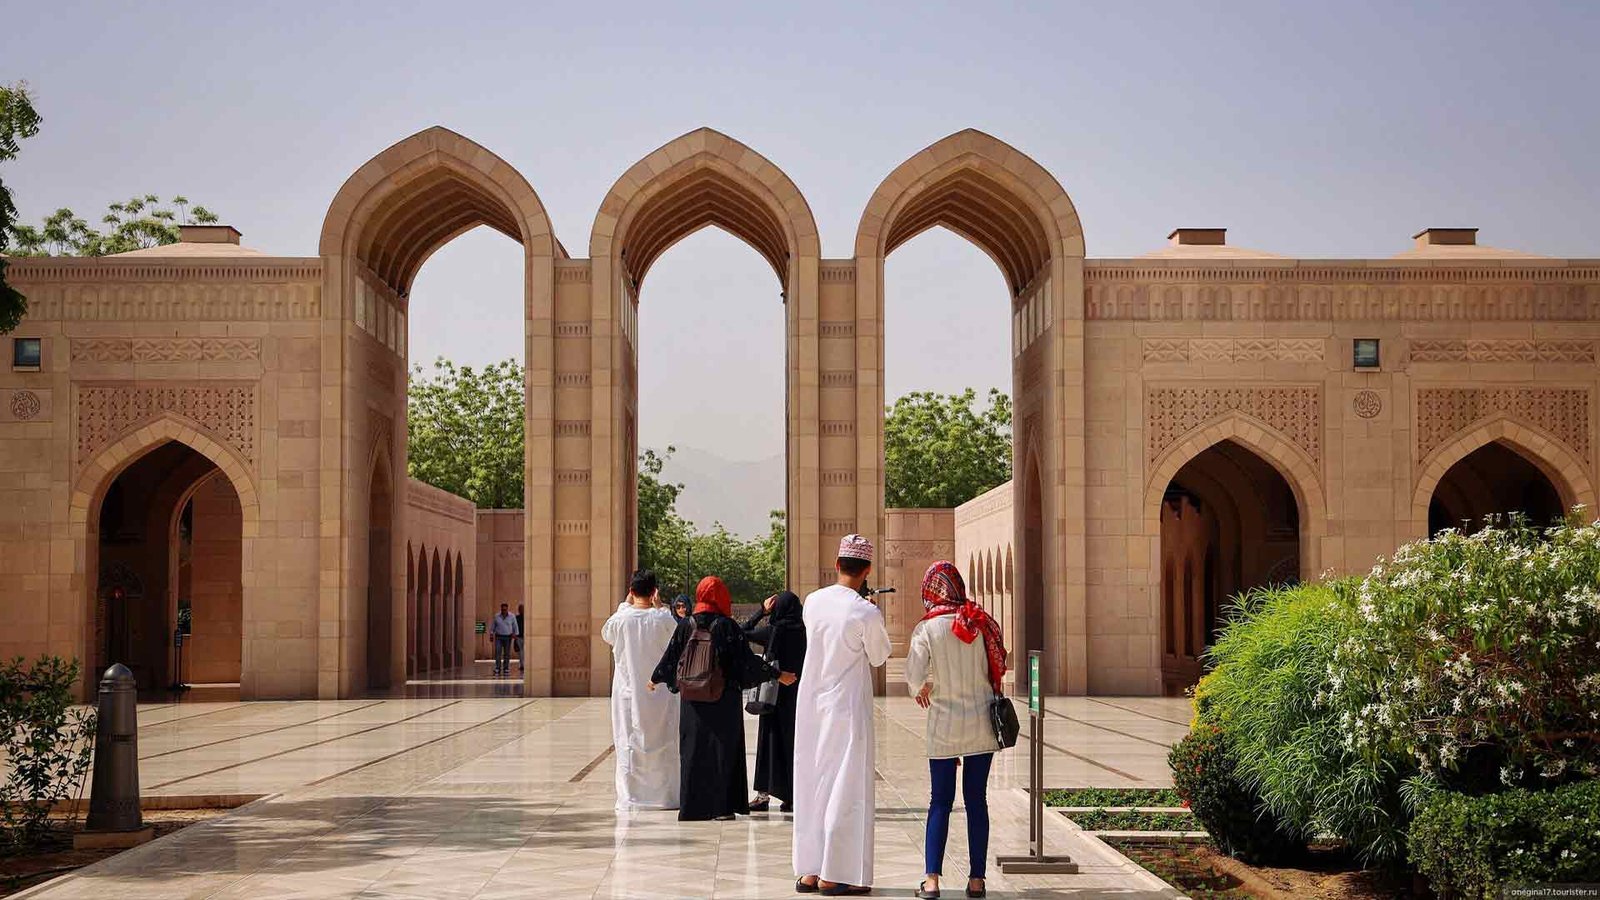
24,405
1367,404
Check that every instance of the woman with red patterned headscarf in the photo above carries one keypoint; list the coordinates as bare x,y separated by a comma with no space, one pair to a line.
955,666
708,664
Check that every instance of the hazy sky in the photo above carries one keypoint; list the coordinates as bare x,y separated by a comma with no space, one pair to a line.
1312,129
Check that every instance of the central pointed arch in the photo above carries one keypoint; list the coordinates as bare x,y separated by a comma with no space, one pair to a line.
701,179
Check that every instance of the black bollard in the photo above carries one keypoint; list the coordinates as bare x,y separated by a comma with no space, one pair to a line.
114,817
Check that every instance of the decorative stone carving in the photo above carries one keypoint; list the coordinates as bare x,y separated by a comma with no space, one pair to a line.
24,405
572,329
838,379
1502,351
838,272
1561,412
1367,404
1355,291
572,428
837,428
1233,350
836,329
572,653
106,412
1172,412
165,349
572,379
838,477
170,293
572,476
839,527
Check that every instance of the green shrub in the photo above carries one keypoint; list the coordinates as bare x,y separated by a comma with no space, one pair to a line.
1478,658
1203,772
1469,846
1271,691
46,740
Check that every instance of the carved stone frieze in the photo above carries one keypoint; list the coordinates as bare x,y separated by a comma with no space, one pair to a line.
106,412
1367,404
1232,350
1130,290
1293,410
1561,412
1502,351
165,349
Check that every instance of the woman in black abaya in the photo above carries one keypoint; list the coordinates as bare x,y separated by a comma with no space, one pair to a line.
711,734
784,637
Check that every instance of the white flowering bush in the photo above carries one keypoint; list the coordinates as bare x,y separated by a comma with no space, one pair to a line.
1477,658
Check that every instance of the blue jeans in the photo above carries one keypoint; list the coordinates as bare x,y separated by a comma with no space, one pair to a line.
975,793
502,653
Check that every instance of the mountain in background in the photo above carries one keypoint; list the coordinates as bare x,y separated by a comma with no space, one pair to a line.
737,493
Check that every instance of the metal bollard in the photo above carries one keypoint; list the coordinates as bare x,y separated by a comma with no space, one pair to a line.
114,795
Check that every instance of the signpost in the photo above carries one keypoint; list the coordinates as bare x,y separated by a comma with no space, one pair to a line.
1037,862
480,628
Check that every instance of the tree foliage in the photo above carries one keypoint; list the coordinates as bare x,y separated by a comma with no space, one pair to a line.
681,554
140,222
939,451
465,429
18,121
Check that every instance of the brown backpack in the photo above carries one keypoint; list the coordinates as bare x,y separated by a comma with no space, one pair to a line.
699,674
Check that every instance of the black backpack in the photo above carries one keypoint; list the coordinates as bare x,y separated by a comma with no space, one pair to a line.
699,673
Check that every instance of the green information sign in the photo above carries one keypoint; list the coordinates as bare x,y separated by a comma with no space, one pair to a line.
481,628
1033,681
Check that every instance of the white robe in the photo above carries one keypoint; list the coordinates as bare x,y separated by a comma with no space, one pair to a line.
644,724
833,737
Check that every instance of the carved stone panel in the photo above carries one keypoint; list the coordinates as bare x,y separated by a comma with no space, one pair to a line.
1232,350
1172,412
1562,412
106,412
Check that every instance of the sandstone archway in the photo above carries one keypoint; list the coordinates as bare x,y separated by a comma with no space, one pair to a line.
1019,215
1566,472
387,219
701,179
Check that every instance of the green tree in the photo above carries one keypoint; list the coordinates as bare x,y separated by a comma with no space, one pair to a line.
939,452
465,429
18,121
753,569
138,223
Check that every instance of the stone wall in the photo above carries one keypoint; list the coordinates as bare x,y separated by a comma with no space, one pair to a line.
442,588
914,539
499,569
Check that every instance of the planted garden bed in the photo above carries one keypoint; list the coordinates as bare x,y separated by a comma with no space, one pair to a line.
1325,871
54,856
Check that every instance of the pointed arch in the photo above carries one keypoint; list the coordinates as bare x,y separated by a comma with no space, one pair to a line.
984,190
1566,470
413,198
703,178
1297,468
103,468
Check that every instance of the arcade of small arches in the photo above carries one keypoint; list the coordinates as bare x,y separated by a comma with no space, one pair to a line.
216,444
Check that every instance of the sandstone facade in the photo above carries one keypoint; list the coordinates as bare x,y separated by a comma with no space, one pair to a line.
287,377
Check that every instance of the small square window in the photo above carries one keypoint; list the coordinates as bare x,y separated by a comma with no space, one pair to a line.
1366,353
26,353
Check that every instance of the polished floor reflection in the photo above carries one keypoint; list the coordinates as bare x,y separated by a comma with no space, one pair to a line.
504,796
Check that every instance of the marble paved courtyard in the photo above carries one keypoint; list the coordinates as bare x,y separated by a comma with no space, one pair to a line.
481,793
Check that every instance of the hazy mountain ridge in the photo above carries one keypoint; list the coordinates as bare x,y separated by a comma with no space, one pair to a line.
737,493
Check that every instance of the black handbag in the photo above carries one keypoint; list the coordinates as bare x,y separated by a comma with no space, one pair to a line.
763,698
1003,714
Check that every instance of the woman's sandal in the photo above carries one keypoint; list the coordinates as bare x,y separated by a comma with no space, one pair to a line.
980,892
923,893
760,805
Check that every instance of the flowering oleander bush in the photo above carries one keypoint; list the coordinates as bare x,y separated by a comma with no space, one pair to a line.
1269,692
1478,658
1465,663
1470,846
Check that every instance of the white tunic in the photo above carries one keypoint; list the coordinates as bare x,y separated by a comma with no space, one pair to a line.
644,724
958,709
833,737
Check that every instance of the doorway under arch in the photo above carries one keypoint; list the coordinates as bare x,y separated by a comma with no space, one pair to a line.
166,532
1490,484
1229,523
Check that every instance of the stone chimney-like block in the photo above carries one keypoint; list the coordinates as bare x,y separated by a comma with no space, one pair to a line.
1438,237
208,234
1195,237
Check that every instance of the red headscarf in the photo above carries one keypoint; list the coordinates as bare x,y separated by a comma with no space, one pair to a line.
944,593
712,596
